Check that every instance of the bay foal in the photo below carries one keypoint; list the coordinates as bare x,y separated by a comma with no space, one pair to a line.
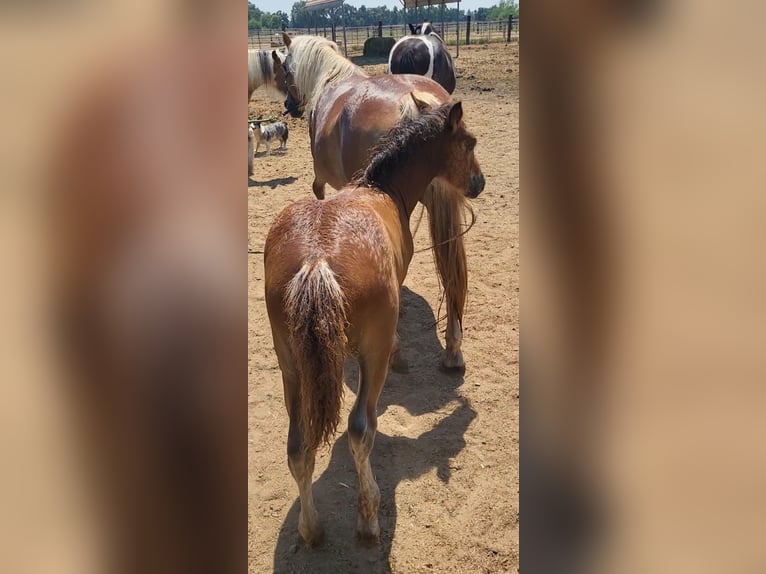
333,272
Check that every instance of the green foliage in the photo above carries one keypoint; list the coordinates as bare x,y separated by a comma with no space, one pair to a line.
365,16
503,9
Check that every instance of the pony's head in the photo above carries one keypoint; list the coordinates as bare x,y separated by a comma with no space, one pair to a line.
294,103
462,167
279,71
439,134
311,63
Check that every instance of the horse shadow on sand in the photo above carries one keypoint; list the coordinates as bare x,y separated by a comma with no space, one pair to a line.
271,183
424,389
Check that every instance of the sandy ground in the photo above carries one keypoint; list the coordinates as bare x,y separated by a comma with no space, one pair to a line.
446,452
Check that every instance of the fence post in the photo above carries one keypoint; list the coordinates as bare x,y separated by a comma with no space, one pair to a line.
510,27
467,29
380,28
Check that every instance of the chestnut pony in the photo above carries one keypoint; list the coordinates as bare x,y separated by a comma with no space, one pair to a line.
349,112
333,273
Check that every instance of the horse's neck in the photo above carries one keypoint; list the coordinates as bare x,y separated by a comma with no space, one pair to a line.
409,183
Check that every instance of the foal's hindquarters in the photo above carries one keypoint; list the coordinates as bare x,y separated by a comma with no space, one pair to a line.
335,296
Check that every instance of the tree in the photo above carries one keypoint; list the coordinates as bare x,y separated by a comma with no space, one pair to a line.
503,9
299,17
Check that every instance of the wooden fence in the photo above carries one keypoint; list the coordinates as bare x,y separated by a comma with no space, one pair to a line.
465,32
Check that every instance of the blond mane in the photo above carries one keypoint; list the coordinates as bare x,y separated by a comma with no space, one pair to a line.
316,63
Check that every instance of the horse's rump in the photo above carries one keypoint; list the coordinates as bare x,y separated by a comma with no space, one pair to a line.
412,55
315,308
423,55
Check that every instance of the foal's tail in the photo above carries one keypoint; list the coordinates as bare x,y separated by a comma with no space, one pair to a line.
316,316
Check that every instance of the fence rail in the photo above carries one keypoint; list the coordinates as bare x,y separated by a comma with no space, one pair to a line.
452,33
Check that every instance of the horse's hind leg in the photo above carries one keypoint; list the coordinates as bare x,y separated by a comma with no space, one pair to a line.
318,188
362,425
397,361
300,462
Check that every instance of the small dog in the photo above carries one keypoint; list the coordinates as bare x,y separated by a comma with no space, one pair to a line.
268,133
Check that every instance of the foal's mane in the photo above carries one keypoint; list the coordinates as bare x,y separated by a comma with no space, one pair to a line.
404,139
317,63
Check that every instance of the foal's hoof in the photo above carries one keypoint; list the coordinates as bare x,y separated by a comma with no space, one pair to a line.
312,537
368,534
453,361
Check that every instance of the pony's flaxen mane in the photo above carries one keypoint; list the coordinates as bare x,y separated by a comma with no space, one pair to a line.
317,63
407,136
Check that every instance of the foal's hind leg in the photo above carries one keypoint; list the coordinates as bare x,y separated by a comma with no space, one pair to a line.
362,425
300,462
301,465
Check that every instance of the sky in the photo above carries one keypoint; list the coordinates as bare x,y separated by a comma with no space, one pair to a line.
286,5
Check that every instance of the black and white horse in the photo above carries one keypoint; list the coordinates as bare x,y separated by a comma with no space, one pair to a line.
423,53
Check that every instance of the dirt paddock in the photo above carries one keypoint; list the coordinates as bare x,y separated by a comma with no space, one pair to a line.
446,452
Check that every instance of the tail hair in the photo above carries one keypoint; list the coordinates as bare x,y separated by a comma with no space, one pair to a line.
446,210
316,311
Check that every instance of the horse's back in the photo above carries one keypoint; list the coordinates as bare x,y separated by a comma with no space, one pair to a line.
351,234
348,230
351,117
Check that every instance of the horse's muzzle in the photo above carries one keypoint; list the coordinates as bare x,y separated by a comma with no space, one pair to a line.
476,186
292,108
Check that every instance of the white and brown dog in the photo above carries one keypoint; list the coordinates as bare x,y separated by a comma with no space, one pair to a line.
268,133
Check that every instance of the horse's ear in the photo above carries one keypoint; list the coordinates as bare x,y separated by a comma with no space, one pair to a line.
286,39
275,57
419,104
455,116
412,28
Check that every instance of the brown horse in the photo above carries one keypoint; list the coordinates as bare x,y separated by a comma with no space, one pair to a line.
349,112
333,273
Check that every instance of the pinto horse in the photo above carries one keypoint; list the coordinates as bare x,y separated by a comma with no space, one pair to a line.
265,69
349,112
423,53
333,274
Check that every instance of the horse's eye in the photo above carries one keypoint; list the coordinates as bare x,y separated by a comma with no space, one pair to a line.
470,144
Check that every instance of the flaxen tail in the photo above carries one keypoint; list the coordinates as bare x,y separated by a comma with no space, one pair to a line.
446,215
316,311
